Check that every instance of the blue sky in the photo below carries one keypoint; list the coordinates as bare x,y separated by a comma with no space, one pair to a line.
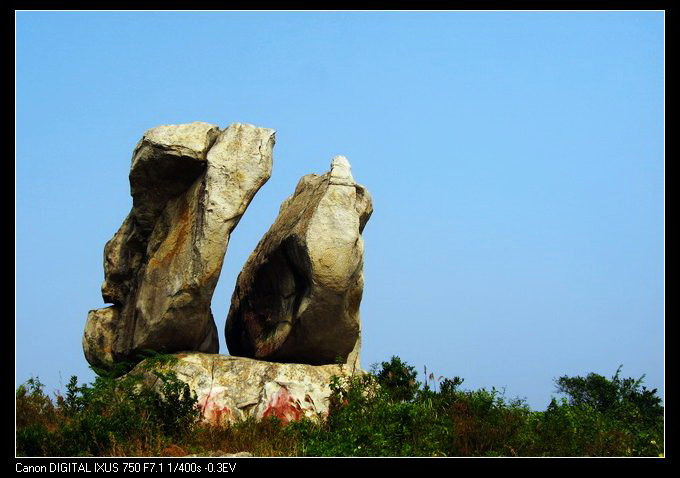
515,159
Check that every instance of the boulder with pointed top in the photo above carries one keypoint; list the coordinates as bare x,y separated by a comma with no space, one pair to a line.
190,185
297,297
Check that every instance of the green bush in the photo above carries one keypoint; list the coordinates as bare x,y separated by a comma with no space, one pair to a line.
398,379
616,396
109,416
366,419
605,417
388,413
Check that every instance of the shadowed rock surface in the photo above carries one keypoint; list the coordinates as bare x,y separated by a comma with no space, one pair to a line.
297,297
190,185
231,389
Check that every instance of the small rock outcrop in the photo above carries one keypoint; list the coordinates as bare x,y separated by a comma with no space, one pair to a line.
190,185
232,389
297,297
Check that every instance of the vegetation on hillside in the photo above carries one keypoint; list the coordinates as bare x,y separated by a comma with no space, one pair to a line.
383,413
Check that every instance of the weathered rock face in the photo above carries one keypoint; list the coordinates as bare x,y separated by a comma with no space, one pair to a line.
190,185
297,297
230,389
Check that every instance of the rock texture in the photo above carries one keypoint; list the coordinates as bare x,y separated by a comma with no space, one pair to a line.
221,454
297,297
190,185
231,389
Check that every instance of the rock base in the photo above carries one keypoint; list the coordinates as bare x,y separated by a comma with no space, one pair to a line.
232,389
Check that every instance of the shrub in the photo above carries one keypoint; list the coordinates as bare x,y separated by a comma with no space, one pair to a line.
398,379
615,396
632,413
387,413
368,420
109,416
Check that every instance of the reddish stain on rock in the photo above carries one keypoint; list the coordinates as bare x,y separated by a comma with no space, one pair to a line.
283,406
212,411
220,415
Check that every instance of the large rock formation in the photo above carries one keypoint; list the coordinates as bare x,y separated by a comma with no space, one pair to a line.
231,389
190,185
297,297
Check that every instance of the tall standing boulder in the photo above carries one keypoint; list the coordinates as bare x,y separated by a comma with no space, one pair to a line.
190,185
297,297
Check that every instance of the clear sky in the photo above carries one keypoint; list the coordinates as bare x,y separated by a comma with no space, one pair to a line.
515,159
